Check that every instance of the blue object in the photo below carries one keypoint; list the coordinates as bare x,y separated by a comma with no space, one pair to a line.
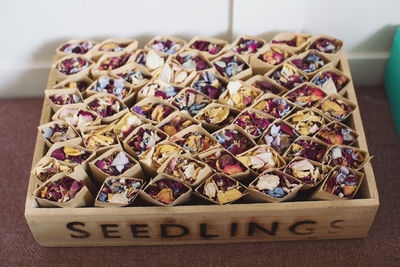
392,80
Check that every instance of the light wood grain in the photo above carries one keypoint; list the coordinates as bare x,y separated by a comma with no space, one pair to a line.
333,219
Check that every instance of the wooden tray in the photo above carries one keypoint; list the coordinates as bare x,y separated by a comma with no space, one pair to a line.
300,220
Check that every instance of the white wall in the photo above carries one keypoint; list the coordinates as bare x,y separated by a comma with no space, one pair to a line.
31,30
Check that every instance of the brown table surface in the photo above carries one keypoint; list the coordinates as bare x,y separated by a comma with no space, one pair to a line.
19,119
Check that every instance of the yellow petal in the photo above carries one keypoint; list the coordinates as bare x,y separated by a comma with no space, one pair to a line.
228,196
165,196
72,151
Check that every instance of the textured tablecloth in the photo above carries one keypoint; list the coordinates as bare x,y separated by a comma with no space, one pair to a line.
19,119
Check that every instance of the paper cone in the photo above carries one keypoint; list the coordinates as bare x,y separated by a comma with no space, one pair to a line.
169,122
97,70
280,163
245,74
74,92
350,104
122,110
73,132
288,36
131,150
99,176
62,114
83,198
240,187
258,113
244,176
155,101
88,54
107,204
323,170
73,145
84,72
333,56
130,45
222,43
185,197
258,196
260,66
211,127
204,172
322,194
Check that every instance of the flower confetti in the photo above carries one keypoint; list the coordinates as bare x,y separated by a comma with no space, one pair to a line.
134,76
151,60
127,124
274,106
115,164
72,65
113,46
113,62
77,48
195,142
287,76
224,162
185,169
106,106
305,95
166,191
280,136
275,184
296,41
174,74
306,171
266,87
153,111
337,134
230,66
222,189
99,137
65,99
252,122
144,139
306,121
239,95
71,155
331,82
49,168
310,63
81,85
166,46
345,156
112,86
261,158
159,89
176,124
335,108
307,148
62,190
58,132
191,100
274,56
158,154
208,84
342,183
216,115
120,191
76,117
325,45
191,62
206,46
247,46
234,141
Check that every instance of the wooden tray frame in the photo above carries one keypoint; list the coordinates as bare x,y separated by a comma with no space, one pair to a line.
300,220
